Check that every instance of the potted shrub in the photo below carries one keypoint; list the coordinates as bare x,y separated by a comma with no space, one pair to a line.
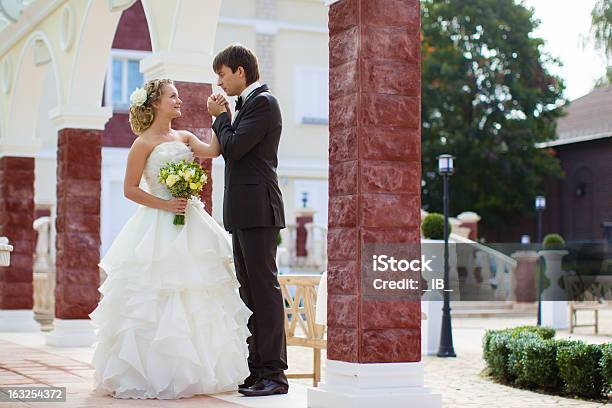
554,309
432,226
553,242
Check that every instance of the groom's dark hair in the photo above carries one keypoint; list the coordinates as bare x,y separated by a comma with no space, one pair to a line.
235,56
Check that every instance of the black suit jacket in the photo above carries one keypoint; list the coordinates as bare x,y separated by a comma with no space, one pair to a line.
249,146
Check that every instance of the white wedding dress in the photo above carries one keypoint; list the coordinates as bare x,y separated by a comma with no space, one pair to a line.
170,323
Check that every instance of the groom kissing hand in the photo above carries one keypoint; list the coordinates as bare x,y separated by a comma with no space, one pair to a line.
217,104
253,210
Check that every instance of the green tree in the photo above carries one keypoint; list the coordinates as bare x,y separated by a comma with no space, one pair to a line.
601,32
487,99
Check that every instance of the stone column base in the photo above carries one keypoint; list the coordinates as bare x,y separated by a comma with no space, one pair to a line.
71,333
431,327
18,320
555,314
377,385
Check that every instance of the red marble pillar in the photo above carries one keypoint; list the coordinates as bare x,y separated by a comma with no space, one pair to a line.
302,218
195,118
473,226
78,222
375,172
525,276
16,218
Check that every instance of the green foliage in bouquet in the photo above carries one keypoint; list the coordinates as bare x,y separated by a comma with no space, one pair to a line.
184,179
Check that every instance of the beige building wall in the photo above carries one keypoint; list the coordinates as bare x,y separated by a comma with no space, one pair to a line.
289,36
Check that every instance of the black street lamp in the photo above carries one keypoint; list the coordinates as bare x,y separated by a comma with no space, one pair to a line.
445,168
540,206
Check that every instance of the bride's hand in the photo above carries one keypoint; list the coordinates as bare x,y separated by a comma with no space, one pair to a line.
176,205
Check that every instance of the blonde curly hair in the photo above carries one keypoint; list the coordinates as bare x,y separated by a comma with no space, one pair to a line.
142,116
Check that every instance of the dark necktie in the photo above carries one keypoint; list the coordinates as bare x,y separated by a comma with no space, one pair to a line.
239,103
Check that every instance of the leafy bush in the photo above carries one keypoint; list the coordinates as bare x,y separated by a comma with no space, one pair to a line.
432,226
279,239
605,364
544,332
579,368
498,346
530,356
532,361
496,351
553,241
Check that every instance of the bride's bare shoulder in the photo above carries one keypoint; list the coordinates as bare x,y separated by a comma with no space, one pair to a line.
141,146
184,135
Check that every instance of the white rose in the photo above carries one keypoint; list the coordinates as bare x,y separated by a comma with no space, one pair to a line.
171,180
138,97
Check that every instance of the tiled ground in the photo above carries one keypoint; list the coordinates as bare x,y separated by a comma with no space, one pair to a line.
25,360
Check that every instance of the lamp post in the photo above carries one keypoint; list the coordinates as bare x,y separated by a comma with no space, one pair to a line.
540,206
445,168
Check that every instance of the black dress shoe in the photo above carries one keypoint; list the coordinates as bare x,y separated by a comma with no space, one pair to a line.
248,382
264,387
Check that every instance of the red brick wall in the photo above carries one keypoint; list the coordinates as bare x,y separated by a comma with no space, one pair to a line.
579,218
575,218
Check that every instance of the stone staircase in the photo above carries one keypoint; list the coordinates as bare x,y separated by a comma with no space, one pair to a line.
492,309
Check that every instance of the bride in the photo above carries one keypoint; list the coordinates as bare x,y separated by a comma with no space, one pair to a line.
170,323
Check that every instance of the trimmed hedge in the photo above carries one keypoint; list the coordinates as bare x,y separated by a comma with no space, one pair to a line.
534,362
530,357
579,368
606,365
432,226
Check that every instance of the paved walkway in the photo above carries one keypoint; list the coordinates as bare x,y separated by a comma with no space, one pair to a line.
25,360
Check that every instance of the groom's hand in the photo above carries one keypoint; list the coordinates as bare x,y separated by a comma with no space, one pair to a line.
214,108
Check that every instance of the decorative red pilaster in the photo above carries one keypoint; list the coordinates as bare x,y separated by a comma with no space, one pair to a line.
375,172
16,218
303,217
78,222
195,118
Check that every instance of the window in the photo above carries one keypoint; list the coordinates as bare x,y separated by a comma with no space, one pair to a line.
123,77
312,95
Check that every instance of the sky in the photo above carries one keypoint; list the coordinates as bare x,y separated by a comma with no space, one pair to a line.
564,24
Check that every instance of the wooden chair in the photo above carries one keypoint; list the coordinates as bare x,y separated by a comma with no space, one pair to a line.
300,327
587,293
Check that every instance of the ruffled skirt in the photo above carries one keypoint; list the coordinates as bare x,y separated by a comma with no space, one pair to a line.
170,323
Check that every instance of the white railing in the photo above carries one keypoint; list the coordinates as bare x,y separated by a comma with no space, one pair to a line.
496,269
316,248
5,251
44,275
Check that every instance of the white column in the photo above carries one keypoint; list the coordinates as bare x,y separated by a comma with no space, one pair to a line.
384,385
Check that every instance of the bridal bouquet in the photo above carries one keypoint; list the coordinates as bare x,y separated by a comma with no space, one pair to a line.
183,179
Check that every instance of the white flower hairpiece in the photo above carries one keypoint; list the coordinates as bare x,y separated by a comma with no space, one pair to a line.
138,97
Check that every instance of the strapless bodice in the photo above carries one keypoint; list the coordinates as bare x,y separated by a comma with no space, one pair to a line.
173,151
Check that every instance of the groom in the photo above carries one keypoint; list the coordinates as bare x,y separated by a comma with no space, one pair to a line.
253,210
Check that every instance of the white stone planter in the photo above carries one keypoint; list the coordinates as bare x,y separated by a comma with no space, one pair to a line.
554,304
5,252
432,301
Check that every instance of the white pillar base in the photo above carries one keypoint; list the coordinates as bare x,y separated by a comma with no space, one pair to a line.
71,333
432,327
18,320
378,385
555,314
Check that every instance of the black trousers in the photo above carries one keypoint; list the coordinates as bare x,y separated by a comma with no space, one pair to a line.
255,263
